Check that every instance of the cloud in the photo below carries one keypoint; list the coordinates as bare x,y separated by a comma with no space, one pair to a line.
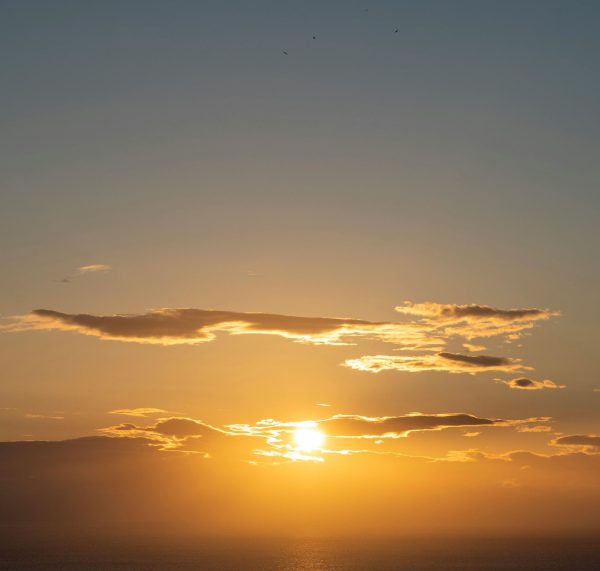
93,268
139,412
188,435
87,269
472,321
274,438
471,312
536,428
177,427
436,325
526,384
590,442
343,427
473,348
193,326
43,416
447,362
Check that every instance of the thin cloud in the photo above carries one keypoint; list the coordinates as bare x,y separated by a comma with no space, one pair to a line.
43,416
525,384
87,269
536,428
138,412
473,312
93,268
474,348
354,426
276,438
446,362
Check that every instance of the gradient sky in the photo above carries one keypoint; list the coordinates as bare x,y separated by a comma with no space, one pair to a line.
171,155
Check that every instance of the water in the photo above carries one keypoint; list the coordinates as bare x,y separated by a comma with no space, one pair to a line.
301,554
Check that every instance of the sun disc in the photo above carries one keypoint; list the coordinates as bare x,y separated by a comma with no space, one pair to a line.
308,439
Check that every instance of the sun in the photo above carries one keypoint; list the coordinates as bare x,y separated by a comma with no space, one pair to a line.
308,439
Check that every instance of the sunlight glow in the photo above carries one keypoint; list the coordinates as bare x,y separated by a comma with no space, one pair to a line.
308,439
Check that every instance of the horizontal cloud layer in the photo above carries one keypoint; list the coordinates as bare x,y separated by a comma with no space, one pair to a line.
448,362
193,326
436,325
190,435
140,411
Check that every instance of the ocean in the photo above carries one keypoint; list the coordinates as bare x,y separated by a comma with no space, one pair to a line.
421,554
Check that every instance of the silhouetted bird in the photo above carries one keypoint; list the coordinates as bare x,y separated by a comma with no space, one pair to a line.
314,37
284,52
396,31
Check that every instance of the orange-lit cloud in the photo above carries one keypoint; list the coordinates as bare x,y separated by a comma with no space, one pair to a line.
447,362
193,326
474,348
279,438
93,268
359,426
588,442
526,384
436,325
535,428
86,269
472,321
138,412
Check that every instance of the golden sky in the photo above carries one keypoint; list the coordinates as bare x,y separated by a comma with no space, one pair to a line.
259,282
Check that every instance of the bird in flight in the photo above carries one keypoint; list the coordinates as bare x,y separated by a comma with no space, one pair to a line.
314,37
396,31
284,52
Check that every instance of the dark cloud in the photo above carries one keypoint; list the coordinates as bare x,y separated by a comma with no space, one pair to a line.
590,441
477,360
192,326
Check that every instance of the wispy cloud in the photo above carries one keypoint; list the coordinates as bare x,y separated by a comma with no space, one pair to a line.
474,348
86,269
43,416
138,412
525,384
93,268
446,362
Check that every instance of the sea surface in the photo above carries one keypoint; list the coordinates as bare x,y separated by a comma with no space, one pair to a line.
422,554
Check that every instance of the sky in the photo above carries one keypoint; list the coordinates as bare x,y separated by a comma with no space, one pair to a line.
344,249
